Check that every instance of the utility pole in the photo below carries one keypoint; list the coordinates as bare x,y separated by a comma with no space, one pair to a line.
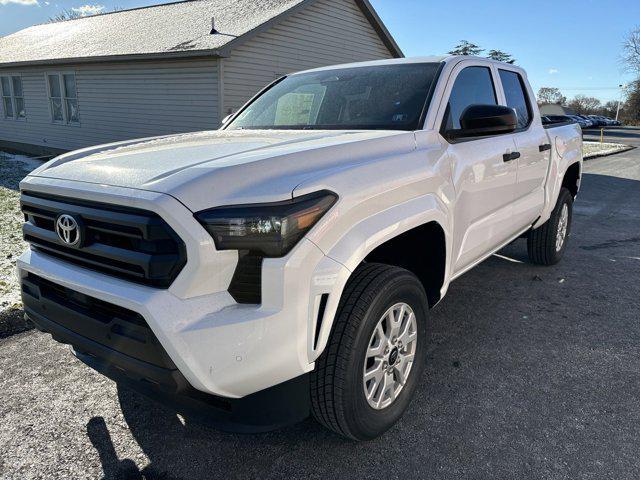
622,87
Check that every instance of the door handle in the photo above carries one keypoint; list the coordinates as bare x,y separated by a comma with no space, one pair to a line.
545,147
507,157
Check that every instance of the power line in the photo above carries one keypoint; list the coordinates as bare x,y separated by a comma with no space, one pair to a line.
587,88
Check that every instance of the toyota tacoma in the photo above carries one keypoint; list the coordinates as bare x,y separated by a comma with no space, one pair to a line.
285,264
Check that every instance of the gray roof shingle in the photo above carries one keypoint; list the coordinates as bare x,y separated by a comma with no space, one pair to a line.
171,29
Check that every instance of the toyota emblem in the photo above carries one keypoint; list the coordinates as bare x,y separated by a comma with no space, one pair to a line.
68,230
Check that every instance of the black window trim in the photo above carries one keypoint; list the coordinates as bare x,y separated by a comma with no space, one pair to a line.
430,96
443,131
526,98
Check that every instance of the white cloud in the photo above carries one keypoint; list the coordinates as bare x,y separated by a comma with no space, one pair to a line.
85,10
19,2
552,71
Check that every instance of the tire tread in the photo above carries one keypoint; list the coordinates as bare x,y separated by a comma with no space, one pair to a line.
329,376
541,241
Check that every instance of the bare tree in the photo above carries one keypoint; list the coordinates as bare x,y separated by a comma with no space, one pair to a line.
501,56
584,105
630,58
65,14
631,51
551,95
466,48
631,111
609,109
73,13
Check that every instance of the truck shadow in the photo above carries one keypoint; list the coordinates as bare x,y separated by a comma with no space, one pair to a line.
522,362
112,467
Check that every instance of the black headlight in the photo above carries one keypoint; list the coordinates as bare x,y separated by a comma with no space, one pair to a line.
271,229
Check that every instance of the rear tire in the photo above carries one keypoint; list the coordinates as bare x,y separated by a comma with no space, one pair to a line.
383,310
547,243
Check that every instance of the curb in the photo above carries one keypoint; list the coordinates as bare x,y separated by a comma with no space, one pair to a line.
607,153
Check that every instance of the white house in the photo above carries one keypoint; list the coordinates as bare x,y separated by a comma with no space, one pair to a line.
555,109
169,68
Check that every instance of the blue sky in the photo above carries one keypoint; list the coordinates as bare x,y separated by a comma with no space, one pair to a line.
573,45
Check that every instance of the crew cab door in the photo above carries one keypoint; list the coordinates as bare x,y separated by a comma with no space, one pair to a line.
483,174
532,143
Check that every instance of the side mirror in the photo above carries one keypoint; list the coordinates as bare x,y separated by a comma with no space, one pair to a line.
484,120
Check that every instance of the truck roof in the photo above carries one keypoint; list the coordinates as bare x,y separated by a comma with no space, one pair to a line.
410,60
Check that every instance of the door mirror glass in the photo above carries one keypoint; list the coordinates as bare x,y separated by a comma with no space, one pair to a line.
485,120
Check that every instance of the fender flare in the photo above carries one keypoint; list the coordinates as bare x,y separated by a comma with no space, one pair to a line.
557,172
364,237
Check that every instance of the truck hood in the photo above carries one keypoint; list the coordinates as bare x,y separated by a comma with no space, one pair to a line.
206,169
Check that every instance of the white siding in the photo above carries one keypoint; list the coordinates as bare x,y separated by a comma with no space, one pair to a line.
125,100
327,32
119,101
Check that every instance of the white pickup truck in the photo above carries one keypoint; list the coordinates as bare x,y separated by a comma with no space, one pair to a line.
286,263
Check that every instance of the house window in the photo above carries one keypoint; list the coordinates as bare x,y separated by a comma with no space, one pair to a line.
63,97
12,97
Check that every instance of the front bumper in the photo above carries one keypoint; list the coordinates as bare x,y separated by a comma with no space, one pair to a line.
221,347
274,407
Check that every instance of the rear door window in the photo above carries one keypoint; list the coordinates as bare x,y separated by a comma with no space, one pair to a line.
516,96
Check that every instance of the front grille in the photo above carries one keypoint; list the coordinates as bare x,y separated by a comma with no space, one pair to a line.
121,241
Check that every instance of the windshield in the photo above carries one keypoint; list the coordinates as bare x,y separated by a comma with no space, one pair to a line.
385,97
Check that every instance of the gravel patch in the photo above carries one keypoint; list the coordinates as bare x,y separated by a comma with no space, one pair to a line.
13,168
597,149
12,321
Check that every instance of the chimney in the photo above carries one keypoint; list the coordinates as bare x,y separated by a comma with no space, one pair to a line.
213,26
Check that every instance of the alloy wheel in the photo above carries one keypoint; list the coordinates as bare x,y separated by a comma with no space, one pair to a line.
390,356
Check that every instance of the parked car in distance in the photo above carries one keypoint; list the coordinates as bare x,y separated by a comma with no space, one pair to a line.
285,265
603,121
597,121
561,119
590,122
580,121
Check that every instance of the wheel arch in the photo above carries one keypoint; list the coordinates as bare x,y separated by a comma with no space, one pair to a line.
422,251
379,238
571,178
565,172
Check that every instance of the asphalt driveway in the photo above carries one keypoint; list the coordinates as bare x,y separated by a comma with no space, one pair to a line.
627,135
532,372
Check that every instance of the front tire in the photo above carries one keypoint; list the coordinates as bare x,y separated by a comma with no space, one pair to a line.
547,243
365,379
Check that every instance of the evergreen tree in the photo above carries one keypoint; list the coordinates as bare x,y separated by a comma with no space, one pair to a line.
501,56
466,48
